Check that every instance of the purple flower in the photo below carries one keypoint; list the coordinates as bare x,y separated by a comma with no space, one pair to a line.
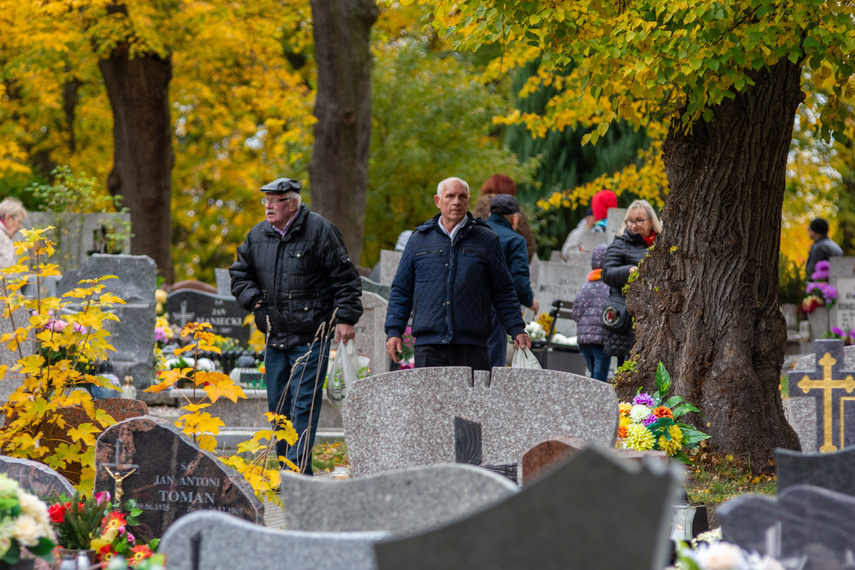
838,331
829,292
810,287
160,335
820,274
649,420
823,265
643,400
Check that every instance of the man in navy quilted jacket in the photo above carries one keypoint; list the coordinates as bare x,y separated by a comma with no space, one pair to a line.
451,274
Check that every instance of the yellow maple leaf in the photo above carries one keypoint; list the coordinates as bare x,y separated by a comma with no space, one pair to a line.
168,378
85,432
207,442
226,389
196,407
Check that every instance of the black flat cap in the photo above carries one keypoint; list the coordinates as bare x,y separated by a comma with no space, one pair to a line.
282,185
504,204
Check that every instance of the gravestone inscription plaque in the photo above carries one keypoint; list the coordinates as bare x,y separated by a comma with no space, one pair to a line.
168,475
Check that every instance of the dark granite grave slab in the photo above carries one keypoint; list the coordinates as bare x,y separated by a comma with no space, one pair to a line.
172,475
814,522
222,312
36,477
832,471
595,511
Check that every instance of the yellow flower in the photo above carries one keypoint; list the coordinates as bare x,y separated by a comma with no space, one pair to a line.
639,437
624,407
672,446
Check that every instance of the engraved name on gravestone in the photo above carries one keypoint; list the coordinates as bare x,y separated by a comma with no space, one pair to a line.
370,336
842,276
222,312
830,385
168,475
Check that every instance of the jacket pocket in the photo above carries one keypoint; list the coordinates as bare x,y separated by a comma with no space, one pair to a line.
260,315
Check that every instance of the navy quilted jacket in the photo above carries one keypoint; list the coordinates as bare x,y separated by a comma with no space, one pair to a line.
589,303
450,286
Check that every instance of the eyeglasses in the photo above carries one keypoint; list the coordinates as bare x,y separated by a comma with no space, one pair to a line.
273,202
637,222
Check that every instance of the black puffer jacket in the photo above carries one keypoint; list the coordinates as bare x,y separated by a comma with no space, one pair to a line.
300,278
625,251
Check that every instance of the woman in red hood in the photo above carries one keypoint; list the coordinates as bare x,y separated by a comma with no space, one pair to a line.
600,204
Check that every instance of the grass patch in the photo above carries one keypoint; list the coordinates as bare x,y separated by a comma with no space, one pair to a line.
714,479
328,456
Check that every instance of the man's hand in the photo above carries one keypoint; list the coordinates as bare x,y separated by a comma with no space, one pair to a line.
344,333
393,348
522,340
535,307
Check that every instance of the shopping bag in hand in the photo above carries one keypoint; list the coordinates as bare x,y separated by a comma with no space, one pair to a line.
524,358
343,372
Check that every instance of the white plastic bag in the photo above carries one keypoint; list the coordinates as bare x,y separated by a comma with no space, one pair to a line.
343,372
524,358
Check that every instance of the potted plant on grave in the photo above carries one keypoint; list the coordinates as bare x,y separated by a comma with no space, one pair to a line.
25,526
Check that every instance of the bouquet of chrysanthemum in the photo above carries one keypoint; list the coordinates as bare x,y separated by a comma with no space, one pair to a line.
24,523
650,421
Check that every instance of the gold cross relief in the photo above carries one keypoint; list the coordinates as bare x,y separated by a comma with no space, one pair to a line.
827,385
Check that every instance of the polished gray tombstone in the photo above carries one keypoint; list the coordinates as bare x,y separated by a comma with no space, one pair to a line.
804,520
216,541
400,501
406,418
833,471
822,398
595,511
35,477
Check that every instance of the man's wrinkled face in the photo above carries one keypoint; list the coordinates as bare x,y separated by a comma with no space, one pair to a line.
454,202
279,209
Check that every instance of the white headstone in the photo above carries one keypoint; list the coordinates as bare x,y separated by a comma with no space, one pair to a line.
370,335
560,280
841,274
389,261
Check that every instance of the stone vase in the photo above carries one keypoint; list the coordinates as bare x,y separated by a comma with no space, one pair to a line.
818,323
791,315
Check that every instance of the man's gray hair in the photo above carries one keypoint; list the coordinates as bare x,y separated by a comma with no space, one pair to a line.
12,207
295,195
441,186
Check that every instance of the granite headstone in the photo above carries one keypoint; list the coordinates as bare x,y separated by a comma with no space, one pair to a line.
401,502
168,474
373,287
370,335
224,282
822,398
222,312
389,261
35,477
841,274
133,335
831,471
802,521
406,418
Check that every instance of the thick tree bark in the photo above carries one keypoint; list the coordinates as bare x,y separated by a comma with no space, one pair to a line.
339,168
706,301
142,161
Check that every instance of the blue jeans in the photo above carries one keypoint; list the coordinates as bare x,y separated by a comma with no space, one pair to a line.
296,391
597,361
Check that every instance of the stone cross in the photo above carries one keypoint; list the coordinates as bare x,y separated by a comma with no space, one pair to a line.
826,387
117,475
183,316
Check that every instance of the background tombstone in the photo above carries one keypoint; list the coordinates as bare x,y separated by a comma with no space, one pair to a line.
36,477
75,234
224,282
133,335
841,274
401,502
822,398
560,280
814,522
832,471
389,261
372,287
11,381
370,334
406,418
222,312
169,475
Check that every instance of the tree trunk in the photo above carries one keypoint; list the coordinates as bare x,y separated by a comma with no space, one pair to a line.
142,160
706,300
339,168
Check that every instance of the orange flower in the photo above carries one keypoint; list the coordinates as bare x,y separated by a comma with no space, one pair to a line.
140,553
114,520
624,408
663,412
105,553
621,432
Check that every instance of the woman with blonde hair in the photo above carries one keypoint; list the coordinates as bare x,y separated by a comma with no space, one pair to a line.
11,213
641,228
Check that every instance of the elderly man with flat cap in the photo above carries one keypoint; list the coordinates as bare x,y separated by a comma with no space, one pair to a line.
452,273
293,272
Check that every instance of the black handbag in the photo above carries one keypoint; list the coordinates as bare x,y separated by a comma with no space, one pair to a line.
615,316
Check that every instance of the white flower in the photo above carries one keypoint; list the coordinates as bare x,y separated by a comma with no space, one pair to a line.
756,562
33,506
721,556
638,412
8,486
27,530
535,331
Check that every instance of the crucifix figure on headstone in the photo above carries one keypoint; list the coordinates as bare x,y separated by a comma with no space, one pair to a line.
826,386
117,476
183,316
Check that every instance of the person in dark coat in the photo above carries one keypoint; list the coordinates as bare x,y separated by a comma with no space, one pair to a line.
503,184
451,274
293,272
504,217
587,312
823,247
641,226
